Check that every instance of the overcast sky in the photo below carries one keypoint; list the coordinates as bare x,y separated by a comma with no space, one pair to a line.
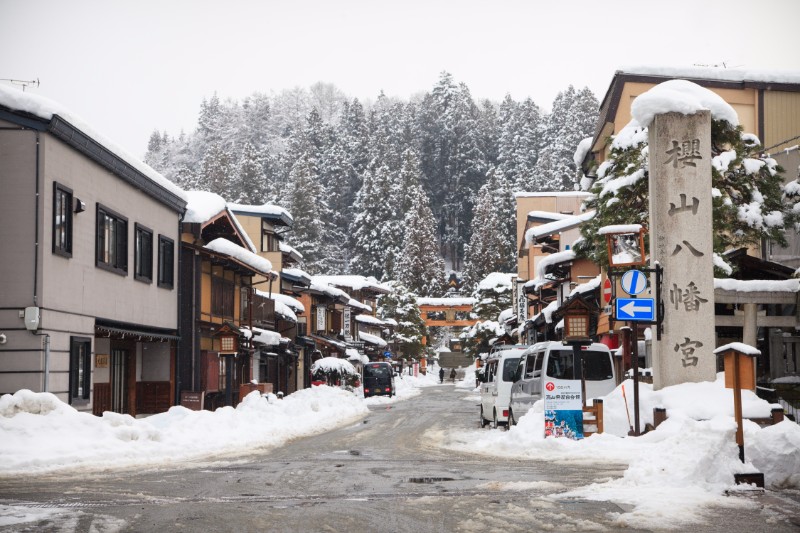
128,68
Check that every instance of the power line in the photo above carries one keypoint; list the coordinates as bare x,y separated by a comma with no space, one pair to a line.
782,142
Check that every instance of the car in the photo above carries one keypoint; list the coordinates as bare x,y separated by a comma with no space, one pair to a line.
378,379
554,361
496,381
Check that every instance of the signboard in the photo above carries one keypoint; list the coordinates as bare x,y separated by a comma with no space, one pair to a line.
192,400
387,354
607,291
563,409
101,360
634,282
636,309
321,322
346,321
522,303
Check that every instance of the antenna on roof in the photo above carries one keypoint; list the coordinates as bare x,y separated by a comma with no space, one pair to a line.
24,83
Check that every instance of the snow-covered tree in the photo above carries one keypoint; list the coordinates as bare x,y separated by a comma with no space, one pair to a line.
421,267
401,305
492,245
749,200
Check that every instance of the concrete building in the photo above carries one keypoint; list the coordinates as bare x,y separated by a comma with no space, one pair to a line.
88,269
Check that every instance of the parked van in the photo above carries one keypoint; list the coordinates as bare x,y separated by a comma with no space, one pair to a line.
555,362
378,379
496,381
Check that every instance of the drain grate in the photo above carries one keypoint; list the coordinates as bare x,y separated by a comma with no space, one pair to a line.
429,479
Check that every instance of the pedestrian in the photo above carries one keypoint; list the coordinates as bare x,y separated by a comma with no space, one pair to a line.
453,375
441,375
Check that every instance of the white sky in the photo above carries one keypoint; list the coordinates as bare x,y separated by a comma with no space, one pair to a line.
128,68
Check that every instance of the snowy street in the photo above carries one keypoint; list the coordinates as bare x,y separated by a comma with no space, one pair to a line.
389,471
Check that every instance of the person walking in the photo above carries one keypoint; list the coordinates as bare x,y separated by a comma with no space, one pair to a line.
453,375
441,375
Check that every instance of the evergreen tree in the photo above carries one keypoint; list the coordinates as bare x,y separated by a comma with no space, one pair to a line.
492,243
421,267
749,201
251,185
305,199
367,258
401,305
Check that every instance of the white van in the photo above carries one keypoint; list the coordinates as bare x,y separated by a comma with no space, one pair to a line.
553,361
496,381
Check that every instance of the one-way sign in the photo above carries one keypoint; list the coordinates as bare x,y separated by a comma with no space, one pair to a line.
643,309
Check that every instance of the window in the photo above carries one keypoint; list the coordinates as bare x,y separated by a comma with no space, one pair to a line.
143,254
166,262
62,220
222,296
112,241
269,242
80,369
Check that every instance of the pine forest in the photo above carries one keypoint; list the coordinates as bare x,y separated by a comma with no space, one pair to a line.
398,190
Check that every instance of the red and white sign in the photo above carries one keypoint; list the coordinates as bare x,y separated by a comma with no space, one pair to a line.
550,386
607,290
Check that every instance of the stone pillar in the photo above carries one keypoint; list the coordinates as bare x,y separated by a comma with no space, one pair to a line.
681,242
750,326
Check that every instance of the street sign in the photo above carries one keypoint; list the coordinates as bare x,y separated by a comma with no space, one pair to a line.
633,282
607,290
387,355
643,309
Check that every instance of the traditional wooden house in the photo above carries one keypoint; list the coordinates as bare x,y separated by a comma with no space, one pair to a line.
218,264
88,299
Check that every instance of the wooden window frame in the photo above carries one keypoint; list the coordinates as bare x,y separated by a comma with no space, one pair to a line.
139,271
65,248
80,370
166,265
119,262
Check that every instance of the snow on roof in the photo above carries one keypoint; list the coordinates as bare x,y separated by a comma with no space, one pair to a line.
505,314
45,108
264,209
285,248
358,305
372,339
548,215
548,311
355,283
549,194
446,302
369,319
681,96
318,284
296,273
557,226
333,364
202,206
296,305
590,285
739,347
280,307
353,355
224,246
711,73
553,259
580,152
758,285
620,228
264,336
498,281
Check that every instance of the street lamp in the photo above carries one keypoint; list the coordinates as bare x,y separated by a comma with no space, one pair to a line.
580,323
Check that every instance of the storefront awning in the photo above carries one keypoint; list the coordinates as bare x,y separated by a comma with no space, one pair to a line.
330,342
372,339
107,328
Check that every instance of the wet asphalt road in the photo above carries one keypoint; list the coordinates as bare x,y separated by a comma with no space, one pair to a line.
385,473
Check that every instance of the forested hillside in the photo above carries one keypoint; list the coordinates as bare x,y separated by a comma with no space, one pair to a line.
356,175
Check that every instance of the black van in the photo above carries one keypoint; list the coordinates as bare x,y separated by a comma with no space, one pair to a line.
378,380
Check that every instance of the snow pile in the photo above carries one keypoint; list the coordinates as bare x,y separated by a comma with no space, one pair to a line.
39,433
677,470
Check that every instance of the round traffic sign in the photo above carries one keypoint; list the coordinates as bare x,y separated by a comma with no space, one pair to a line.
634,282
607,290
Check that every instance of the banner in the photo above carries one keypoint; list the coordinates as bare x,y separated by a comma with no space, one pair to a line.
321,322
563,409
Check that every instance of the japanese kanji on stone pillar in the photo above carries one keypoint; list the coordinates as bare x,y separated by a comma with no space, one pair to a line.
681,241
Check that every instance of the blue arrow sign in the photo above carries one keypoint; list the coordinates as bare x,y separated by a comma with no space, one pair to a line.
636,309
633,282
